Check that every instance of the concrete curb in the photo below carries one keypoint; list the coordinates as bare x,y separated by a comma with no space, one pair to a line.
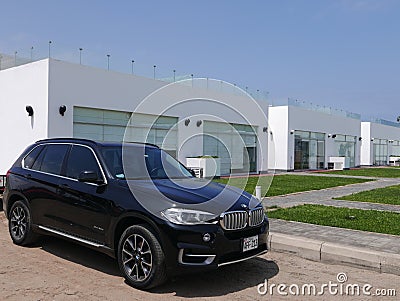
329,252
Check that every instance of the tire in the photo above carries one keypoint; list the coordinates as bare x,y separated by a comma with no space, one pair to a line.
141,258
20,225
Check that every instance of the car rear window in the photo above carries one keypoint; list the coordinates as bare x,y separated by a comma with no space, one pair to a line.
53,158
31,157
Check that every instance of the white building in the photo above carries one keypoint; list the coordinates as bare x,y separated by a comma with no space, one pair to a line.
187,119
380,142
303,137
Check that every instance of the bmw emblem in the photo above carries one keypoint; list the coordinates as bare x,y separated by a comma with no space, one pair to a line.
244,206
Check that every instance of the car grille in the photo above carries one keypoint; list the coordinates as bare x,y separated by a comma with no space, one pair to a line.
256,217
236,220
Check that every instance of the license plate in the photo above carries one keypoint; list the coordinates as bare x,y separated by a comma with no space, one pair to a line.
250,243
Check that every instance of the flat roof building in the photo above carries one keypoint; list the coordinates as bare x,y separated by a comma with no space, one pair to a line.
380,143
51,98
306,137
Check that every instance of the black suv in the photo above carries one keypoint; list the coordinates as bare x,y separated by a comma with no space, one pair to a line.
134,202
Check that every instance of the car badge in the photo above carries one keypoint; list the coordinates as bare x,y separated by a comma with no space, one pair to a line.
244,206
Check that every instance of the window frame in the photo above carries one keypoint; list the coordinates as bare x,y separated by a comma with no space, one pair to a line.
63,166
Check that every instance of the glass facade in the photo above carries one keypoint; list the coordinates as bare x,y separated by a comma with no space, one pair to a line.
110,126
380,151
345,146
395,149
234,144
309,150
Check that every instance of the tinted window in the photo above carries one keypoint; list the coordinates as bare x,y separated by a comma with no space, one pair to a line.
39,160
81,159
141,162
53,158
31,157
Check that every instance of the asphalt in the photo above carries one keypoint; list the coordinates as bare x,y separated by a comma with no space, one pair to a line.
380,252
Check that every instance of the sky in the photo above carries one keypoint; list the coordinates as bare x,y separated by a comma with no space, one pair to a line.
343,54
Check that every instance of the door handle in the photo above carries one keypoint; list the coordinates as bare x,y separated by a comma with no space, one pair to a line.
62,188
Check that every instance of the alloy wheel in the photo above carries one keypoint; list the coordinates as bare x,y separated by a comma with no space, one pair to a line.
18,222
137,257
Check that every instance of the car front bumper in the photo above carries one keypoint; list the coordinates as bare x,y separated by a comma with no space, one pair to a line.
186,251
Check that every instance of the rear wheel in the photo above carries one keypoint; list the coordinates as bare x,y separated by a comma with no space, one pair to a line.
141,258
20,224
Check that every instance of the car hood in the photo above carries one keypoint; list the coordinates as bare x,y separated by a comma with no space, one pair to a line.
191,193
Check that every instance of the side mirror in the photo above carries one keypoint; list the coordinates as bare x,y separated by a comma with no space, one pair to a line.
89,176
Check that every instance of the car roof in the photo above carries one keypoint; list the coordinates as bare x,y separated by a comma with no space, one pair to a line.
93,142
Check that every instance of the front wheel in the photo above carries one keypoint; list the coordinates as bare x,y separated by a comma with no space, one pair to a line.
20,224
141,258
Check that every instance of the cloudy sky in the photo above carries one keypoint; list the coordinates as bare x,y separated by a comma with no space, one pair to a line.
338,53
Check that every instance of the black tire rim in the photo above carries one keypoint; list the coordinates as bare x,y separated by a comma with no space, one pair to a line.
137,258
18,222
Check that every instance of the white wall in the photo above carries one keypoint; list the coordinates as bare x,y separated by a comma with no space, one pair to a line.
283,119
76,85
366,144
21,86
278,141
371,131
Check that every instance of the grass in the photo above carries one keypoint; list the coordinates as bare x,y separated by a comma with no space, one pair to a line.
284,184
379,172
387,195
365,220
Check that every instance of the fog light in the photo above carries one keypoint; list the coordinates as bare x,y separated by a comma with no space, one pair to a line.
207,237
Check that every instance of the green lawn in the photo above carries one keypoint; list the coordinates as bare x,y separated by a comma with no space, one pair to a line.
379,172
284,184
365,220
387,195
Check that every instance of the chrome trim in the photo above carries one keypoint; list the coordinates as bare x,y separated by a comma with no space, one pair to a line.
209,259
243,259
90,243
60,176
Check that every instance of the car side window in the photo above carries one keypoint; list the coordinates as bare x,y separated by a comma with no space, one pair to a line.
29,160
81,159
54,158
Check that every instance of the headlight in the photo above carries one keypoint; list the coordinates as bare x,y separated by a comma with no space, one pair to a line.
187,217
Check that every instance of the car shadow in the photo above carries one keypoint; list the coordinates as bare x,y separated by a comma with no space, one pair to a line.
79,254
225,280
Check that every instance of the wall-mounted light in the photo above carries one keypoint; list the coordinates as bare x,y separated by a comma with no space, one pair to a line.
270,132
265,129
391,141
334,136
359,138
199,122
187,121
29,110
372,139
329,135
62,110
291,132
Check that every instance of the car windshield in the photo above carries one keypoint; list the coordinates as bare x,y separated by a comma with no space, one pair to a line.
142,162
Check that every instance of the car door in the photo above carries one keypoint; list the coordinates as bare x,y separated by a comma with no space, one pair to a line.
42,172
83,206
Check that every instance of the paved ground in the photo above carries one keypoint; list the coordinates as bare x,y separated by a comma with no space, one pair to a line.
58,270
347,237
